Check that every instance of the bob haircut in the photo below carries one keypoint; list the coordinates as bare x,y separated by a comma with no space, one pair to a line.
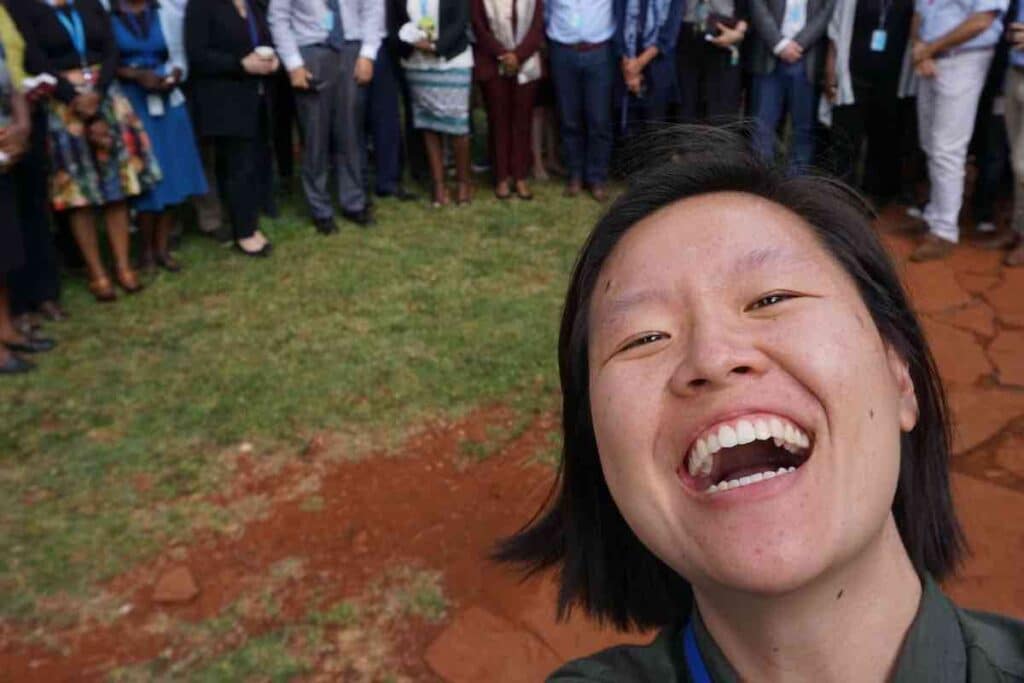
604,567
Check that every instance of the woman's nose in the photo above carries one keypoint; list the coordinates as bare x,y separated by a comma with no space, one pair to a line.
717,354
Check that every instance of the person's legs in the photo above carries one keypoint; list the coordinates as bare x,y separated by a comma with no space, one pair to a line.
118,223
884,140
768,100
956,89
689,71
522,134
146,222
208,207
992,156
461,152
348,136
384,119
235,159
1014,94
801,112
316,111
598,76
161,241
83,227
569,94
498,93
36,284
10,363
284,122
723,84
847,136
435,161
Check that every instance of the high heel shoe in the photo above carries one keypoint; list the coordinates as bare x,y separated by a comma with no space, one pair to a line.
129,281
102,290
441,197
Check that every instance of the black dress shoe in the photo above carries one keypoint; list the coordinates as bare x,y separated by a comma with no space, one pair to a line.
32,345
15,365
401,194
362,218
326,226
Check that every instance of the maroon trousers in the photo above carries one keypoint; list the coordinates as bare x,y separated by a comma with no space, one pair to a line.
509,113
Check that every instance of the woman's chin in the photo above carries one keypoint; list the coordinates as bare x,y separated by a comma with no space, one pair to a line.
763,570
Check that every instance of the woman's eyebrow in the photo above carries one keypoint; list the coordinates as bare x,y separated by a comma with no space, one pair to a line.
764,256
618,305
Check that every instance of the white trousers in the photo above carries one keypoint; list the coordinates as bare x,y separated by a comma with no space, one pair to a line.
1014,93
946,108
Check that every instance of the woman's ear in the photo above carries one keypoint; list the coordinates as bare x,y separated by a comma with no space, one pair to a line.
900,371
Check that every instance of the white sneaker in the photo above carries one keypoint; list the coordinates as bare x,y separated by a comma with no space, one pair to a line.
985,227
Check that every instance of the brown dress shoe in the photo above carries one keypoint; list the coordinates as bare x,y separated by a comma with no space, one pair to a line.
1004,240
932,248
1015,258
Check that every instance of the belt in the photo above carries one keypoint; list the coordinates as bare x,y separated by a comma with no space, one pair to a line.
582,47
953,52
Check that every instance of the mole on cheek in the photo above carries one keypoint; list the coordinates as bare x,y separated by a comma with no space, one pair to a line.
871,414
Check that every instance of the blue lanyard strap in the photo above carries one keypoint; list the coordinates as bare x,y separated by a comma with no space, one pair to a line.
424,7
694,662
254,33
75,28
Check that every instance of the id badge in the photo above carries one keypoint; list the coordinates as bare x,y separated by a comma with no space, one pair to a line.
155,105
328,21
577,20
878,39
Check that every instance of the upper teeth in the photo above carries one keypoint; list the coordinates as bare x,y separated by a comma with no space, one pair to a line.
784,433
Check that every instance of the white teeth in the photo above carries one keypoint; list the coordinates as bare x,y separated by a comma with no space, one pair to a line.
782,433
745,432
748,480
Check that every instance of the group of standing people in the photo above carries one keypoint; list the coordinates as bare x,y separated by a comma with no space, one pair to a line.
121,111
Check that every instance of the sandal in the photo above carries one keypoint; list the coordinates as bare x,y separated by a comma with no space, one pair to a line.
441,197
168,263
129,281
465,194
102,289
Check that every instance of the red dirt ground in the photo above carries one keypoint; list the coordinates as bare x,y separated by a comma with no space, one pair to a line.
429,506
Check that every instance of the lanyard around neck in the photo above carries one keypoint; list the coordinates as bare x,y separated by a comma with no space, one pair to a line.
250,18
694,662
424,8
72,23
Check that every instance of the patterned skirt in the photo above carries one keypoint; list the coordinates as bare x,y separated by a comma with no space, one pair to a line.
440,99
82,175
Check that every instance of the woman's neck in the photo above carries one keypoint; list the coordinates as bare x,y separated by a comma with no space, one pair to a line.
847,626
134,6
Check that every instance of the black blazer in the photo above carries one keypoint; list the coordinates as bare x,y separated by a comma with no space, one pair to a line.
225,99
453,33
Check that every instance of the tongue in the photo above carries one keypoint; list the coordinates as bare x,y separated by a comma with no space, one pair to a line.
751,458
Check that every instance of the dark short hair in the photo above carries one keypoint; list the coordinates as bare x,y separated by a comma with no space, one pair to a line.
604,567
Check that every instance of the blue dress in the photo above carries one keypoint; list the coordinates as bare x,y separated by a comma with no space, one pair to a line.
164,116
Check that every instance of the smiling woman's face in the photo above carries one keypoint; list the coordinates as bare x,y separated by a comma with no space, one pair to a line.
747,411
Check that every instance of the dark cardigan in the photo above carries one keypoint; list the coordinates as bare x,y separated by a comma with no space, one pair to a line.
225,99
453,33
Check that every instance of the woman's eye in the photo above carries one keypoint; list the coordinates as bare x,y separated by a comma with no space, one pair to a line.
769,300
648,338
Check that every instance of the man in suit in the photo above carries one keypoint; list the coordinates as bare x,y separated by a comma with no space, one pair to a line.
329,48
786,54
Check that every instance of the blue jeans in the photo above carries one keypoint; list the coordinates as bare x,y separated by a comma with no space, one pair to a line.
583,90
786,87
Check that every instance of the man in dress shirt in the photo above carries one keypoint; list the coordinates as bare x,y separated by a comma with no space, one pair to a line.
328,48
785,56
582,68
954,42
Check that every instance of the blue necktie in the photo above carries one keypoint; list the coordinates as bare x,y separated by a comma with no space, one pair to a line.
336,37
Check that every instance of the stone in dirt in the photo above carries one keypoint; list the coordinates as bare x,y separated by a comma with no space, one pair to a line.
175,586
960,358
480,646
977,317
933,287
1008,298
1007,352
980,414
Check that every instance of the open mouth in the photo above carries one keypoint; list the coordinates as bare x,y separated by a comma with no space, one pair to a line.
745,451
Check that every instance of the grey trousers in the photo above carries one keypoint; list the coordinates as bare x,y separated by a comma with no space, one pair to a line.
330,119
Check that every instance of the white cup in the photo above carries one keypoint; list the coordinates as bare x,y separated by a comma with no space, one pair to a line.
265,52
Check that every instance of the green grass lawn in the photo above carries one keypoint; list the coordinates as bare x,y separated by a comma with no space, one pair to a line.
366,334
